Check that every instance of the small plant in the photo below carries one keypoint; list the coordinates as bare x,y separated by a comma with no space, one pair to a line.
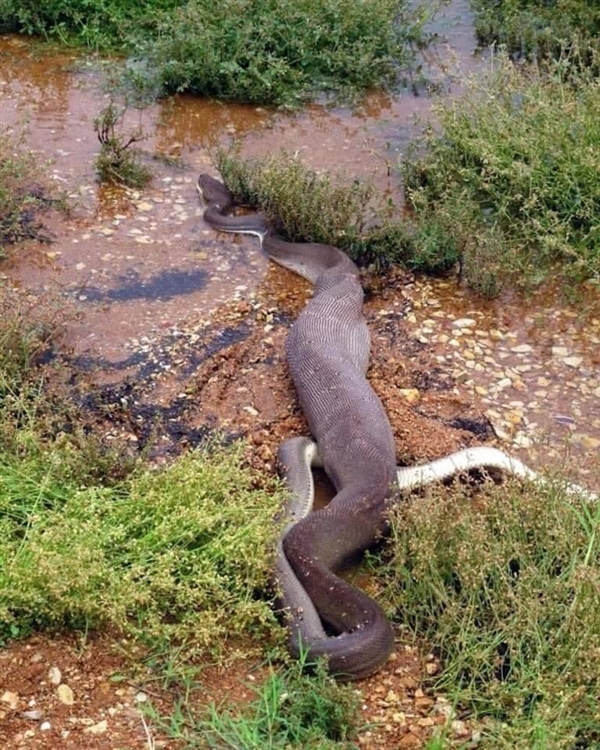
292,711
119,160
22,196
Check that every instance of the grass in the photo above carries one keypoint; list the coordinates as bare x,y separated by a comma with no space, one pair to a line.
22,196
90,540
314,207
506,588
538,29
266,52
291,710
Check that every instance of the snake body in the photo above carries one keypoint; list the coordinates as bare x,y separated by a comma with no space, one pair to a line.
328,353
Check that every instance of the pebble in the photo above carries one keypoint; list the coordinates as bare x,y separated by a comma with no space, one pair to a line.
65,695
98,728
55,676
494,362
12,699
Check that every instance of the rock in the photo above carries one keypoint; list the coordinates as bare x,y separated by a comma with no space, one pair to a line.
12,699
99,728
65,695
411,395
33,715
45,726
463,323
521,349
54,675
560,351
572,361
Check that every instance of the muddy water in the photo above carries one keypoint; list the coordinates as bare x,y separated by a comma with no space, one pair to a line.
137,265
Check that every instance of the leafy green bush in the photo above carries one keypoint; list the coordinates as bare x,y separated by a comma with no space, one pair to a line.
98,24
506,588
268,51
170,556
282,51
307,206
513,175
89,538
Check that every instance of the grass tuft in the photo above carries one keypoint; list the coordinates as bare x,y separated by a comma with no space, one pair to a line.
22,196
292,710
506,588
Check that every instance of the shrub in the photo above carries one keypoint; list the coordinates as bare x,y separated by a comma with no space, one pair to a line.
119,158
281,52
512,174
268,51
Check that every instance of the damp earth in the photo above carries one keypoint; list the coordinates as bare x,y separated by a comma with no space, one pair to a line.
174,332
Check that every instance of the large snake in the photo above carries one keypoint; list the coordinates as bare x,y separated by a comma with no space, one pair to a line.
328,354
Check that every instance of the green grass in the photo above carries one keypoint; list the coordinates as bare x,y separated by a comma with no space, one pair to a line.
265,51
291,711
511,177
541,28
89,539
314,207
506,588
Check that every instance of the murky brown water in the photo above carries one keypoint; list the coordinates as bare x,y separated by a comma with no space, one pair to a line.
134,264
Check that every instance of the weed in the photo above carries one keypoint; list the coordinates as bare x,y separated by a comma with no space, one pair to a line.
283,52
118,160
291,710
90,539
312,207
22,196
506,588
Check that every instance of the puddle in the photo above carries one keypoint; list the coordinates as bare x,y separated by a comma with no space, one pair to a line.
137,266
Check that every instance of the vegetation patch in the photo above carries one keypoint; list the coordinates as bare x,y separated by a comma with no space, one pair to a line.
119,160
538,29
511,177
22,197
270,51
506,186
506,587
89,540
292,710
311,207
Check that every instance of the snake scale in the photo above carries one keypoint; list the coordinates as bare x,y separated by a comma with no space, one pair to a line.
327,352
